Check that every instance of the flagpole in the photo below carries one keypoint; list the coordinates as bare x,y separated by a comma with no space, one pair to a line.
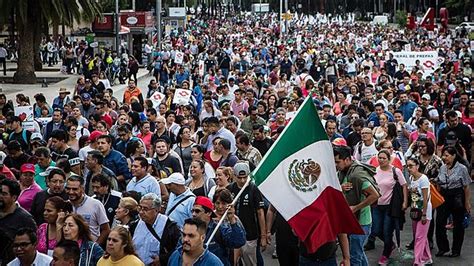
227,210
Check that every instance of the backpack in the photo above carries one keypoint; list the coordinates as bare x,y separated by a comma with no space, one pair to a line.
371,172
23,136
164,172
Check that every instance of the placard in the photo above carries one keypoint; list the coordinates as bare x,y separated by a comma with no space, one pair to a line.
25,113
179,57
181,96
156,98
429,60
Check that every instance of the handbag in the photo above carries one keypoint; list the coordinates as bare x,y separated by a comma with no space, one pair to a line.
396,202
415,214
436,198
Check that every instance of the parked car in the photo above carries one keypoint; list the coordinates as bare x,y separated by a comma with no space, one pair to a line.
469,26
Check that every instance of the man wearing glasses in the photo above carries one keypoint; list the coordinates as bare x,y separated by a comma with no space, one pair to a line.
156,236
24,247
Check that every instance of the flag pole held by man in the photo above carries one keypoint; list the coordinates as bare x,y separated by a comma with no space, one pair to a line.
298,177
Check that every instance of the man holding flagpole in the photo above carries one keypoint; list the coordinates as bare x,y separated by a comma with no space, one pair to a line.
303,173
249,208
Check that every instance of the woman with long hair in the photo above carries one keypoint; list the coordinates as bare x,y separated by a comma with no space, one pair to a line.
419,112
199,183
213,156
75,228
146,135
420,212
423,126
468,114
442,103
183,147
272,101
197,153
72,140
282,86
48,234
224,176
430,163
209,110
120,249
384,223
381,131
135,148
453,182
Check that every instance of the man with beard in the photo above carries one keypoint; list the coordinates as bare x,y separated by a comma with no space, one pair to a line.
87,108
12,216
104,193
164,161
55,178
90,209
193,252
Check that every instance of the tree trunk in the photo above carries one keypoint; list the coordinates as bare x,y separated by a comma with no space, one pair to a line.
25,73
55,25
36,47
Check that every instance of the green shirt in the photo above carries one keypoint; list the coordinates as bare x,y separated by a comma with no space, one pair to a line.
365,214
41,180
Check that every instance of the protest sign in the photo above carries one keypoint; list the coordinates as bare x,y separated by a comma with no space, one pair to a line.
182,96
428,59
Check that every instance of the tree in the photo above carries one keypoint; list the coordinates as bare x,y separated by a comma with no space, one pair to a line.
29,16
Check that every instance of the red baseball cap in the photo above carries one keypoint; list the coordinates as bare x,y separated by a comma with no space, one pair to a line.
94,135
204,202
27,167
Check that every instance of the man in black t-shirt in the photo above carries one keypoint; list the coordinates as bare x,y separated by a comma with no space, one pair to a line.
60,149
455,132
260,141
249,208
19,134
164,161
97,84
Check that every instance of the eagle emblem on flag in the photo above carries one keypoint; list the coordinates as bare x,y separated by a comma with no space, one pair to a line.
303,174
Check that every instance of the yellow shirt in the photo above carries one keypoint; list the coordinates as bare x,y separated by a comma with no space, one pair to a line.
129,260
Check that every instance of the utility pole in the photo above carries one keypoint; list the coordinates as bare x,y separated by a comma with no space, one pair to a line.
117,27
158,23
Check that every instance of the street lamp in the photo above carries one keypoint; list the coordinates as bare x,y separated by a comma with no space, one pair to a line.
158,23
117,27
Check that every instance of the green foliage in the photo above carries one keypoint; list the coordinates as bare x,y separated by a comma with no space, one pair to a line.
401,18
65,11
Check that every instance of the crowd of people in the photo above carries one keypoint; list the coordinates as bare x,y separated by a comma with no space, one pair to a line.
143,179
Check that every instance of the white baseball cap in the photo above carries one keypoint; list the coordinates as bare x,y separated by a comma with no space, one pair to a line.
174,178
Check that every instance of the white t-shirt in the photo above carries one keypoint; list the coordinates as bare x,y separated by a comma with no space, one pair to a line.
366,152
40,260
94,213
416,187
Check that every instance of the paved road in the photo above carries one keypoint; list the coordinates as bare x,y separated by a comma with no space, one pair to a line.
406,257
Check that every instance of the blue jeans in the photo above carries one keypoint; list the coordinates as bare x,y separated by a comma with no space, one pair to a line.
382,226
356,246
308,262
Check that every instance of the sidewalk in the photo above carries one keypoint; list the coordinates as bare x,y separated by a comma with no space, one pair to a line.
68,82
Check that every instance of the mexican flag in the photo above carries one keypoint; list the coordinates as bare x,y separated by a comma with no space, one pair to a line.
298,177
